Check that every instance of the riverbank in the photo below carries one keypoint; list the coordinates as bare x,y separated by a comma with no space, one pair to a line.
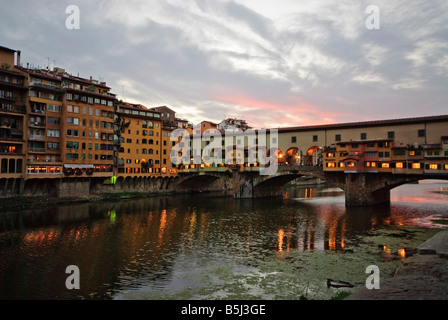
33,202
422,276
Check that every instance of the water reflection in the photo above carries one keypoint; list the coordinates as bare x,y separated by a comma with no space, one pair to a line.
125,244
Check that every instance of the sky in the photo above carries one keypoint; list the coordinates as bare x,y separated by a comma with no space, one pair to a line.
273,63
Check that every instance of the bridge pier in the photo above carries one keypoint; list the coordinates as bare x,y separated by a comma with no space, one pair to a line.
365,189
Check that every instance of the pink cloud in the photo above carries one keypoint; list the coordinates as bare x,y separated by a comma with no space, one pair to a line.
296,113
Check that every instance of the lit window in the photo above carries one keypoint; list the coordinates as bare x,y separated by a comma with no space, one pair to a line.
331,165
384,165
416,166
351,164
412,153
433,166
399,165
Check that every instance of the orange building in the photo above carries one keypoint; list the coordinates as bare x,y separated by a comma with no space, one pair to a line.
13,107
359,156
140,149
44,125
87,129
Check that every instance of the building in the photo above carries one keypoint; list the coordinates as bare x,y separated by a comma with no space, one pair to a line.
140,150
167,115
13,109
86,128
204,126
46,95
233,124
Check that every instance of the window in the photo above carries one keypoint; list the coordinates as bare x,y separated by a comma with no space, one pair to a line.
53,145
399,152
72,145
416,166
315,138
293,139
53,133
399,165
73,121
53,108
53,120
71,156
4,166
337,137
363,136
72,133
74,109
421,133
391,134
384,165
433,166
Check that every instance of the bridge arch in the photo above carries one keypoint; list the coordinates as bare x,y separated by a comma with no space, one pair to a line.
203,182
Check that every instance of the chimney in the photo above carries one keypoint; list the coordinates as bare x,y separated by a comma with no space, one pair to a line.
18,58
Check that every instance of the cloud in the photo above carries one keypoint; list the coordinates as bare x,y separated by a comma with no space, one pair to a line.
289,62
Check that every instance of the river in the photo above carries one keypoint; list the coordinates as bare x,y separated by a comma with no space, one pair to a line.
210,246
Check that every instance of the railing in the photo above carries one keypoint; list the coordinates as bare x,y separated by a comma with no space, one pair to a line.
15,109
37,111
46,86
33,149
37,124
37,138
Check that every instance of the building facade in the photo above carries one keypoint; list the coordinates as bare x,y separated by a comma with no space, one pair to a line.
13,115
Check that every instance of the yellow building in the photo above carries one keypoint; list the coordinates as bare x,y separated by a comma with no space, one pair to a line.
140,151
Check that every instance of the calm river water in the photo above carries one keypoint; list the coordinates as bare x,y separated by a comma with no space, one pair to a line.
210,246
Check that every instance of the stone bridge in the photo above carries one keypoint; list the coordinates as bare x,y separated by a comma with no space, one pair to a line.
247,183
359,188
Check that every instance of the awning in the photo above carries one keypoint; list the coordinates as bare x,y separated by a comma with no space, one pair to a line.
79,166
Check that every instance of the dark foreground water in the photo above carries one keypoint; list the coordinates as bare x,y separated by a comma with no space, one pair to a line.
210,246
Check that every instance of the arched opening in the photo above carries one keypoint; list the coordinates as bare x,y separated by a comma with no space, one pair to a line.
421,191
279,154
313,156
292,156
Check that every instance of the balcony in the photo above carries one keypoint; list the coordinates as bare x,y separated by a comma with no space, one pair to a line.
37,111
35,149
37,124
46,86
434,146
12,108
37,138
13,85
7,97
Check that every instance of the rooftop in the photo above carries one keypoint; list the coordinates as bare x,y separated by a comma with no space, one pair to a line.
374,123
